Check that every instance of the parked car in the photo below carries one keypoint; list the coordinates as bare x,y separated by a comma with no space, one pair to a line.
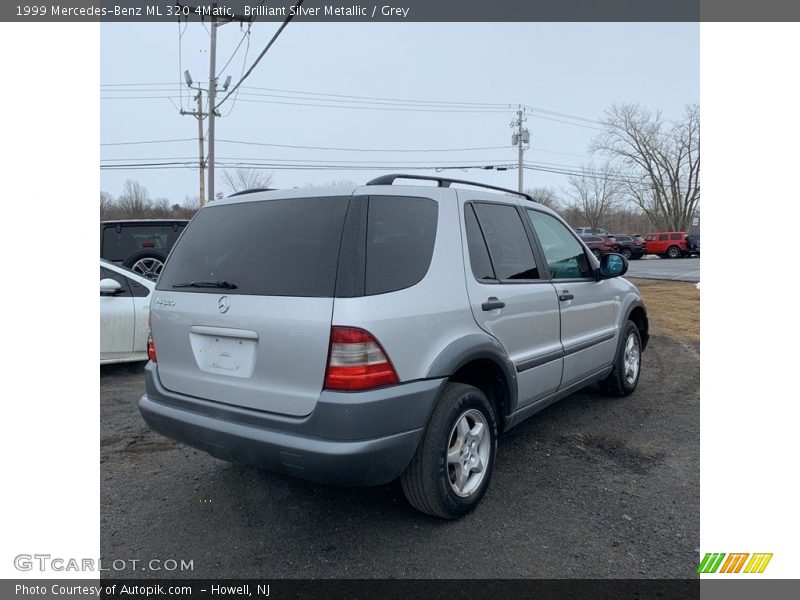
328,333
142,245
124,310
693,244
590,231
670,244
599,244
629,247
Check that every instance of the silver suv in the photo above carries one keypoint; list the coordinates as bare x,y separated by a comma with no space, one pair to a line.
352,336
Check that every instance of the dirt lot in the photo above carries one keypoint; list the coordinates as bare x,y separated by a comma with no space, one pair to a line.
673,308
590,487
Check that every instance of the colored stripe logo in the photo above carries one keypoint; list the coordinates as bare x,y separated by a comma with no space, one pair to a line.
719,562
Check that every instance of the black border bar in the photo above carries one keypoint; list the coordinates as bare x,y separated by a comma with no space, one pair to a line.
408,10
361,589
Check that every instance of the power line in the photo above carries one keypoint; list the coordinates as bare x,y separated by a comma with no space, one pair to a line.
340,148
135,143
244,63
320,98
235,50
263,52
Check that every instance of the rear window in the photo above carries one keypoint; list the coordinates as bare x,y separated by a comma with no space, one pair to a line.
401,232
270,248
133,238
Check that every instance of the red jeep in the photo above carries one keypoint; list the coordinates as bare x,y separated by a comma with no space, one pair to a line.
670,244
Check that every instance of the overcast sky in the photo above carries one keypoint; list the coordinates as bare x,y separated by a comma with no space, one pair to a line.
576,69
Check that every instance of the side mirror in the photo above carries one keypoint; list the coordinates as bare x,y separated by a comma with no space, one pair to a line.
612,265
109,287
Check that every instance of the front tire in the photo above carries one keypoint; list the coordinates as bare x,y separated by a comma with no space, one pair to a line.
624,378
452,467
626,253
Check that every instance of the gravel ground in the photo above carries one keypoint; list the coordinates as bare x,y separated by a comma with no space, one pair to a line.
590,487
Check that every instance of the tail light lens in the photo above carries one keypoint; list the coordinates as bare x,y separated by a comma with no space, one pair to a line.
151,345
357,361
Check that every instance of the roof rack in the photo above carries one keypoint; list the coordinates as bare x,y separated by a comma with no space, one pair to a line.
443,182
253,191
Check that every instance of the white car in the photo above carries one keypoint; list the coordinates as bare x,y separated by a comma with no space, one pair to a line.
124,311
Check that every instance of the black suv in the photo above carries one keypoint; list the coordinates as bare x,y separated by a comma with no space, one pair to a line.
629,247
141,245
693,244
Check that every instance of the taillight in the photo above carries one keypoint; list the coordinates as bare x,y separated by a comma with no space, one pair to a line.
151,345
357,362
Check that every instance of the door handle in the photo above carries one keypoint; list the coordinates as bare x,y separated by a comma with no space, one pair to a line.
565,295
492,303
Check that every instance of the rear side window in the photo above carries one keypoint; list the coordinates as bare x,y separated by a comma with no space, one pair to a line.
401,232
509,246
269,248
675,236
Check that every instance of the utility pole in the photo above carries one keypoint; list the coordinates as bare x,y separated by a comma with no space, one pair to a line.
200,115
199,98
212,101
519,139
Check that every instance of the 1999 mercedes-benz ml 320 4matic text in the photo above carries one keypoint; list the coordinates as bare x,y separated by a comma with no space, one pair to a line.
352,336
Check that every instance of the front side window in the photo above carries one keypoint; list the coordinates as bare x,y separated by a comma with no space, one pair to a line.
509,246
565,256
663,237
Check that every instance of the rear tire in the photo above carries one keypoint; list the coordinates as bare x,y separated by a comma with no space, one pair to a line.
624,378
147,263
452,467
673,252
626,253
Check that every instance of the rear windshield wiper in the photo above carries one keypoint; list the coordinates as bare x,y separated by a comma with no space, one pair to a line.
225,285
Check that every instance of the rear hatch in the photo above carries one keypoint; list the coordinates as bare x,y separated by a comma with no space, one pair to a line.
242,310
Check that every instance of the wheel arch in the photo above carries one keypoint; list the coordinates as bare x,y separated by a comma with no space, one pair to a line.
637,313
480,361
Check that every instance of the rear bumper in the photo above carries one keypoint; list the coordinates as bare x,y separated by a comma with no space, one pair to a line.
352,439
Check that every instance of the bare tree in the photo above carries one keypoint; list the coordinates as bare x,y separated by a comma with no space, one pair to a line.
546,196
662,161
332,183
161,208
134,201
240,180
106,204
594,193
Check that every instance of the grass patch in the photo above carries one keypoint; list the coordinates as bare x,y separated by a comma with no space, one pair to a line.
673,308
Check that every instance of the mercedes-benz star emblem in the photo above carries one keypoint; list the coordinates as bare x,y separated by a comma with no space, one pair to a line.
223,304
